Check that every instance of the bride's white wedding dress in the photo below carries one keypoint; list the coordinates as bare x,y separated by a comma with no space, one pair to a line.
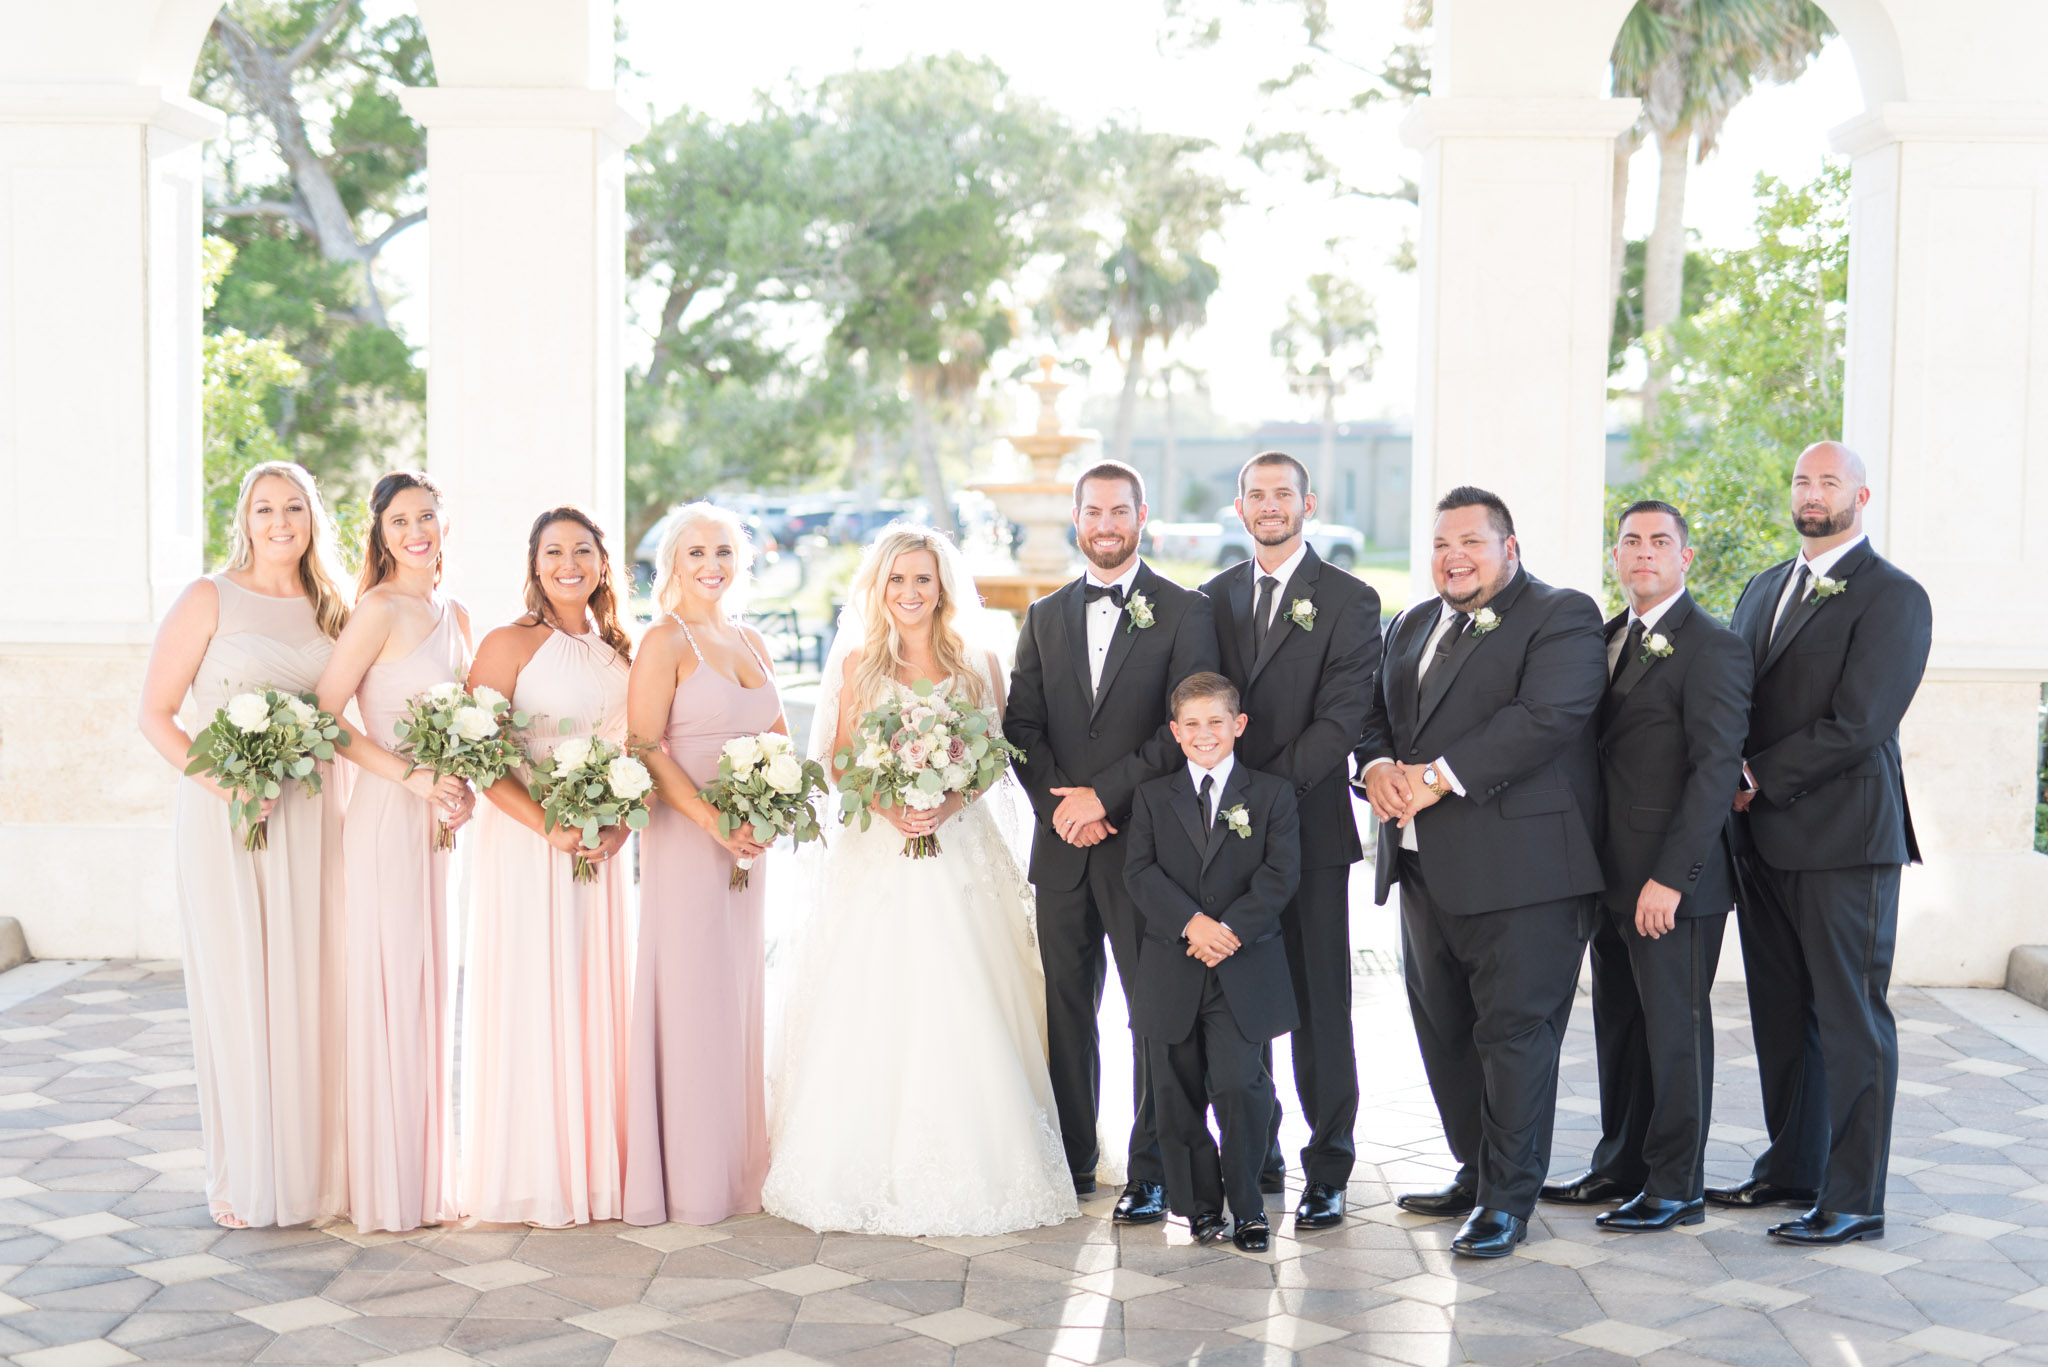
909,1092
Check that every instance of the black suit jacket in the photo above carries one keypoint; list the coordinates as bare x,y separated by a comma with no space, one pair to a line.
1306,693
1512,712
1111,740
1671,732
1179,866
1824,714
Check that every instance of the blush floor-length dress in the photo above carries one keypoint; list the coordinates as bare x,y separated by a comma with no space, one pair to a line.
697,1124
398,970
545,980
263,937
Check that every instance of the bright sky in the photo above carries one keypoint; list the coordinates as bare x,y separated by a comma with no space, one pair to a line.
1091,59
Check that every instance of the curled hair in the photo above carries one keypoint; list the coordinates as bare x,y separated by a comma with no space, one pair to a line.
881,651
316,563
379,563
604,599
1472,496
1203,685
668,582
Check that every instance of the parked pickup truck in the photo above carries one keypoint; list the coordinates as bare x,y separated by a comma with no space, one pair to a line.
1225,541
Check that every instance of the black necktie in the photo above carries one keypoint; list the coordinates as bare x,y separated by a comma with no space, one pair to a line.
1202,796
1113,592
1459,621
1629,649
1262,614
1799,583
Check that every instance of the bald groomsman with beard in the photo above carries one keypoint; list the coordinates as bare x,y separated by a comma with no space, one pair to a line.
1840,637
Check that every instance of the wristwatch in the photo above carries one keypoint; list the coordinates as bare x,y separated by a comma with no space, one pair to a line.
1433,780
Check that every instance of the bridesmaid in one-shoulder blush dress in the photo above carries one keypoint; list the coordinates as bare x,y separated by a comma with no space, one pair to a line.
697,1123
263,931
405,638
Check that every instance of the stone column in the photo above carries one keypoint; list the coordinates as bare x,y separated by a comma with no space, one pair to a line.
1516,198
525,385
100,470
1947,402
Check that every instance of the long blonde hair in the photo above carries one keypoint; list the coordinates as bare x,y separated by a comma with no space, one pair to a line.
881,652
316,565
668,584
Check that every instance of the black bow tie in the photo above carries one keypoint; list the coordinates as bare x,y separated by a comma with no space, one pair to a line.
1113,592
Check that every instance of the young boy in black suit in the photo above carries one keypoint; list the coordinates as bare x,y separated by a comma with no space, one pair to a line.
1214,856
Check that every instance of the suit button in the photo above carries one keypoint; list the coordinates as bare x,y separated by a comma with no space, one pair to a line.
1414,750
1095,735
1210,901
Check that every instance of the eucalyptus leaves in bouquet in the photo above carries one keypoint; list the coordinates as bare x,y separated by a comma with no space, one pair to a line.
451,730
916,755
765,785
257,744
591,784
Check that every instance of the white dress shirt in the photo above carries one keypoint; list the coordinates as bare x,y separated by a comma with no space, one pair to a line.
1446,617
1817,569
1103,617
1285,574
1648,619
1221,773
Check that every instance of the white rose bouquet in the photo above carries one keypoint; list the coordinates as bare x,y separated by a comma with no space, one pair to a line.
256,745
591,783
916,755
763,783
452,731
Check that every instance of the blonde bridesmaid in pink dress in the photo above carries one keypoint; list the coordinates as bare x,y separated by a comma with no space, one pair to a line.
697,1125
405,637
262,931
545,974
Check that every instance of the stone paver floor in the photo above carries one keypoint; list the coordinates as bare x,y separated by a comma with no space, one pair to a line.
106,1254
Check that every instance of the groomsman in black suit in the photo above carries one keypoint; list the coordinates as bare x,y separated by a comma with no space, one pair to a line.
1478,759
1301,641
1096,662
1840,638
1670,738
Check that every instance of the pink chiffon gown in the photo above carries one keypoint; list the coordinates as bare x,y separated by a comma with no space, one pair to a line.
263,936
398,970
697,1122
545,980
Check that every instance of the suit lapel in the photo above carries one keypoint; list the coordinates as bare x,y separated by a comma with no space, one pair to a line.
1074,612
1759,627
1239,596
1667,626
1301,584
1444,675
1403,698
1799,614
1188,807
1124,637
1219,831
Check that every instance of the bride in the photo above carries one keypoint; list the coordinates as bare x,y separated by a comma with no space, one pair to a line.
910,1094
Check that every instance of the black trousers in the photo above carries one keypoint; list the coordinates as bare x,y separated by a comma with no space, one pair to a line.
1817,949
1071,926
1316,927
1653,1034
1214,1067
1491,995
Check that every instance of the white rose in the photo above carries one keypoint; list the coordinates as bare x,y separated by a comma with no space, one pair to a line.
572,753
491,698
474,723
785,773
744,752
874,757
249,712
628,777
918,800
775,743
955,777
302,712
441,694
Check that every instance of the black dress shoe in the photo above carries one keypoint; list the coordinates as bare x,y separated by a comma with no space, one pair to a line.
1828,1227
1587,1189
1322,1206
1251,1234
1273,1181
1645,1213
1143,1203
1754,1193
1490,1234
1450,1200
1084,1184
1207,1227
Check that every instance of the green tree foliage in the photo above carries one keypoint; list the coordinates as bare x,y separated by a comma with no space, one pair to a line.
1627,329
1756,377
238,372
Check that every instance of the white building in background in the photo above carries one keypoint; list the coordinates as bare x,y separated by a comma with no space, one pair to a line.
100,338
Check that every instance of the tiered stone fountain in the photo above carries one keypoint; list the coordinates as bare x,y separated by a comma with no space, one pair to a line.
1042,506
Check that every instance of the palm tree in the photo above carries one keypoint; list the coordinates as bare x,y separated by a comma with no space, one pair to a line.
1691,62
1328,343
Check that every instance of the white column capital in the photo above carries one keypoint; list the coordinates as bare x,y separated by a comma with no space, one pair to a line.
1485,116
1941,121
451,107
137,104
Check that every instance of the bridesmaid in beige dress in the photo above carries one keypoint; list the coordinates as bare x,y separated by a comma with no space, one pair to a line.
262,931
697,1124
405,637
545,972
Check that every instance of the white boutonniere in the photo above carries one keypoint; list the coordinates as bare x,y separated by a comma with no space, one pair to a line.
1137,613
1657,646
1484,620
1239,820
1303,614
1824,587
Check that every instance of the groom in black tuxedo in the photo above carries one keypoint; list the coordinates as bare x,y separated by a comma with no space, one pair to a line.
1096,662
1301,641
1840,637
1478,759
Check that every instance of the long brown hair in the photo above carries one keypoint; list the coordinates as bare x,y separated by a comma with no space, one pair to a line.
378,562
316,565
604,599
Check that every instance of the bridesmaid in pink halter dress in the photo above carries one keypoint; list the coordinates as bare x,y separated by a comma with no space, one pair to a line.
697,1124
545,967
405,637
263,932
